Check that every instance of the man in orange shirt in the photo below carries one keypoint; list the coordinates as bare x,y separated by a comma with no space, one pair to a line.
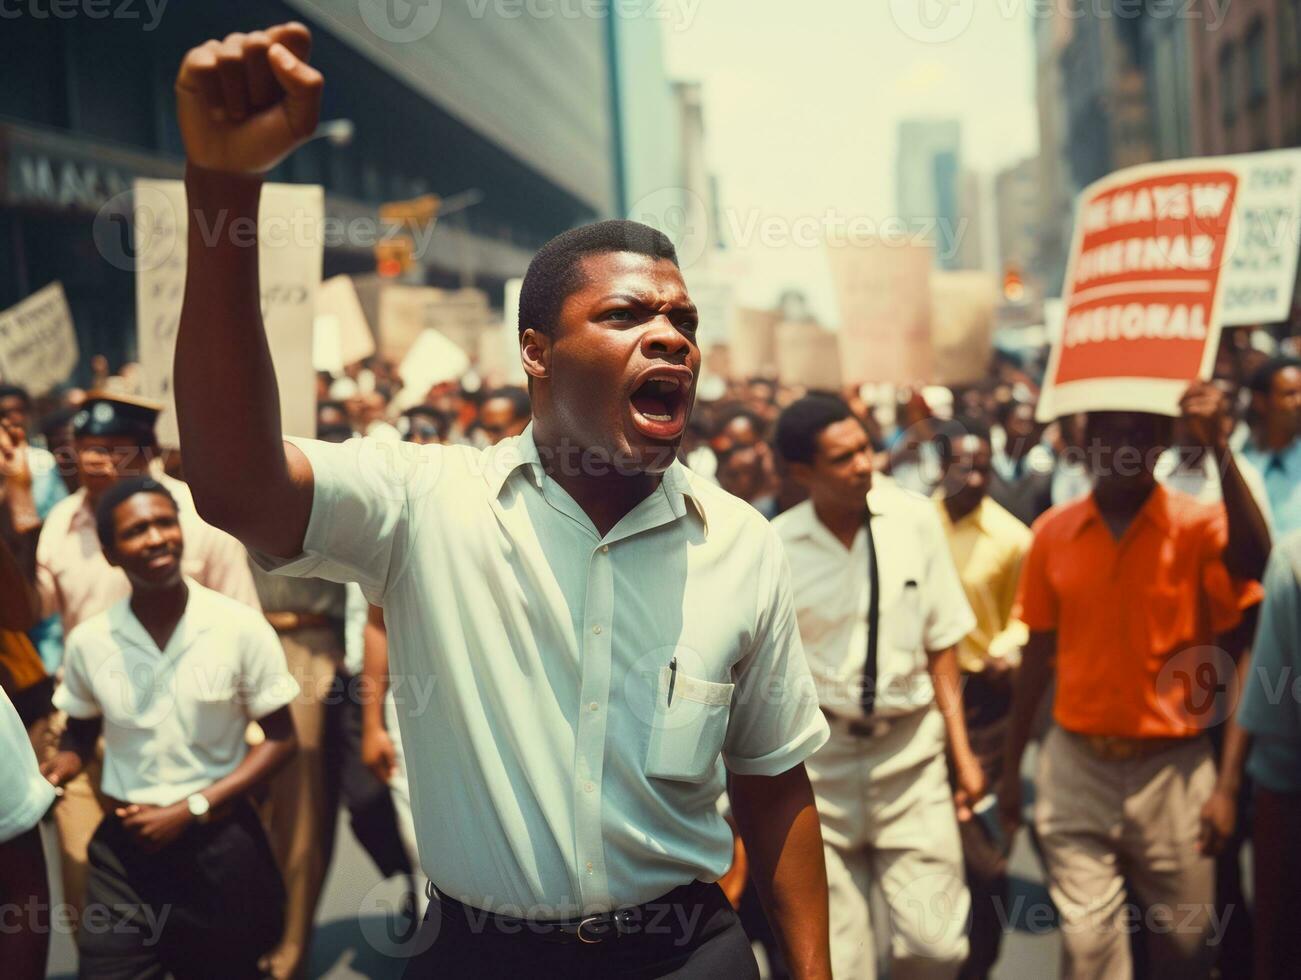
1125,591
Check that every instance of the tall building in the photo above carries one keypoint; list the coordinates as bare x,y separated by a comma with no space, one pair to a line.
928,190
646,121
444,98
1247,78
1108,124
970,242
1056,186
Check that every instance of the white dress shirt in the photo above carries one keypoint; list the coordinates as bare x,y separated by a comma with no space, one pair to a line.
531,666
26,794
174,719
922,604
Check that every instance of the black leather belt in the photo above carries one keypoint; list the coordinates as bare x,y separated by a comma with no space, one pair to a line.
639,920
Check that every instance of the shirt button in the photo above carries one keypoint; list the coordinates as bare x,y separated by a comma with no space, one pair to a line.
589,787
597,630
605,549
590,870
594,706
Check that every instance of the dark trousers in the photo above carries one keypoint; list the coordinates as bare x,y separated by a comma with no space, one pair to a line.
369,801
680,937
206,906
1276,853
988,703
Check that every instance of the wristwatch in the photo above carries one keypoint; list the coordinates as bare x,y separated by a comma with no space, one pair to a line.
199,807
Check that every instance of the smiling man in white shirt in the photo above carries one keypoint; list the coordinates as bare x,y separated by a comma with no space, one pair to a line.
605,634
173,675
881,610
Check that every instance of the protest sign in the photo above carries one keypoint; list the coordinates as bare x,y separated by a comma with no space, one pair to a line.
962,326
715,301
406,311
752,349
1261,261
885,310
808,356
1143,289
38,345
290,247
342,334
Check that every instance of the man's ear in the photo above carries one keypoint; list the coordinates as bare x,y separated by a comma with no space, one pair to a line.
535,354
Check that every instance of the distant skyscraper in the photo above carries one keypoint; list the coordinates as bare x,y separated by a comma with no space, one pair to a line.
928,191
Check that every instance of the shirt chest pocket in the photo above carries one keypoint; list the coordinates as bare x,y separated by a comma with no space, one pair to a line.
214,711
688,727
903,620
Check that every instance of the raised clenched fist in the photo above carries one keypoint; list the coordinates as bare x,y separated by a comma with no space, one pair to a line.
245,102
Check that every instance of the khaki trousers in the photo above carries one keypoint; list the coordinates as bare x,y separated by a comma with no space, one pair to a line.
1102,823
888,823
77,812
296,810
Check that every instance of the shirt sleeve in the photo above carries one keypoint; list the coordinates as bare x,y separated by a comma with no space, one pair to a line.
265,683
775,721
1267,707
1035,596
948,615
359,507
47,586
75,695
27,794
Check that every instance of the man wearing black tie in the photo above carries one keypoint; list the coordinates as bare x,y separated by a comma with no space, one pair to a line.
881,610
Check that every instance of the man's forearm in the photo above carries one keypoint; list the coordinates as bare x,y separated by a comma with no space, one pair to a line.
227,401
261,762
1247,549
946,681
778,821
1031,681
374,669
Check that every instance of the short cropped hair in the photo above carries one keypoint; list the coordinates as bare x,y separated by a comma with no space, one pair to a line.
800,424
1262,379
555,273
115,495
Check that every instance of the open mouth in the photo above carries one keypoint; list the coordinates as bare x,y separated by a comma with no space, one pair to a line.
659,406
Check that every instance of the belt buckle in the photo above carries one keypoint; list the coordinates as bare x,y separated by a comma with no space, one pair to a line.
582,925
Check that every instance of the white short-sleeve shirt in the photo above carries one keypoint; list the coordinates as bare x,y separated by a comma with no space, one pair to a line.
922,604
25,794
174,719
531,661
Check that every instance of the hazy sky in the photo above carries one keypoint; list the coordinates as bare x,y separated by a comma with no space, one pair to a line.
803,100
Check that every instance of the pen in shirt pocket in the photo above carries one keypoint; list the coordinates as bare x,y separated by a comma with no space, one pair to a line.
673,678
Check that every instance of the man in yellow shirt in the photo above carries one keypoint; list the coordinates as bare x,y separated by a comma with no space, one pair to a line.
987,544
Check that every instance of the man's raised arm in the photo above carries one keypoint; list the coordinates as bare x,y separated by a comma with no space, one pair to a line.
243,104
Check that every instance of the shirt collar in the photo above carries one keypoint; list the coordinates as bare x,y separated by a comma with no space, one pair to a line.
194,621
1155,509
977,518
521,451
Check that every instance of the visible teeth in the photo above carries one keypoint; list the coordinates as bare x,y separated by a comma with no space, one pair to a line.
657,418
667,384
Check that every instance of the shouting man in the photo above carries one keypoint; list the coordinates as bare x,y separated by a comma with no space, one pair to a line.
601,631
